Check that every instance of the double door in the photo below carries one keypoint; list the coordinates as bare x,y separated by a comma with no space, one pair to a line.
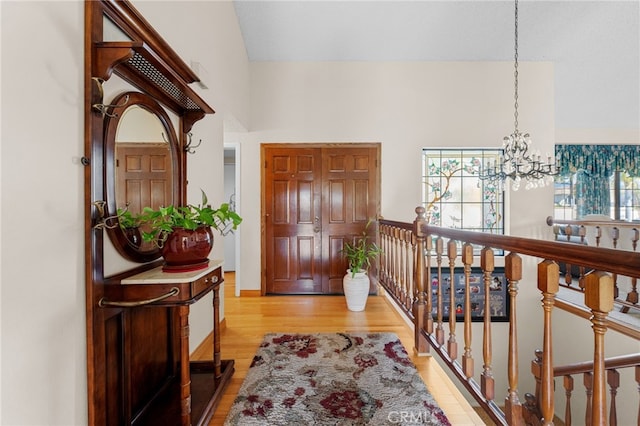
315,197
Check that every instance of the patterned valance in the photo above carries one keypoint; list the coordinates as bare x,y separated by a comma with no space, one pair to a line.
598,160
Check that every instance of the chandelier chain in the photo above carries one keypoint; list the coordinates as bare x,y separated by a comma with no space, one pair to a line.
515,72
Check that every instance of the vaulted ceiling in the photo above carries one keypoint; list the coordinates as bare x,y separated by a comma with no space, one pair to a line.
594,45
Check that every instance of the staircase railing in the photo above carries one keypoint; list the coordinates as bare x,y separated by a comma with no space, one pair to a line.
618,235
418,259
612,366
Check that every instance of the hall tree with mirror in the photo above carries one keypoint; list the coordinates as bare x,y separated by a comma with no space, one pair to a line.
138,365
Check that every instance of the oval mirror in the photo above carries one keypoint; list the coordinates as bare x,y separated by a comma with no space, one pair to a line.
141,168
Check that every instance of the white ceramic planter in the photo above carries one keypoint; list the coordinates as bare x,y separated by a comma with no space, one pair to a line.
356,290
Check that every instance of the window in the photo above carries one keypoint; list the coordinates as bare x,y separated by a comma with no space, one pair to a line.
620,199
453,194
598,179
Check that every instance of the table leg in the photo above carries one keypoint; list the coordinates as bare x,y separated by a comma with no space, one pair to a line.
216,332
185,373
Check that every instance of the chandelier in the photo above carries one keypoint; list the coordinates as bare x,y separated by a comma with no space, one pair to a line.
518,162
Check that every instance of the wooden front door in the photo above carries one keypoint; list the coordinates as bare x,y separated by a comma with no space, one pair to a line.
314,198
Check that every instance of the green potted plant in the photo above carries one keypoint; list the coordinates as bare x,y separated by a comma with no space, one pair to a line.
355,283
183,233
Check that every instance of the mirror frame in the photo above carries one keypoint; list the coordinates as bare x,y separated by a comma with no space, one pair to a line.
120,104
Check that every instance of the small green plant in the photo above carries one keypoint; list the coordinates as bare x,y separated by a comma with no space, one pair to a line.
127,220
360,254
158,223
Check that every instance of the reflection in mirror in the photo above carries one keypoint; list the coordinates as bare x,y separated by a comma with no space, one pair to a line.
140,168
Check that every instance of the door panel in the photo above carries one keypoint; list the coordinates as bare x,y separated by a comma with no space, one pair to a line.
144,176
291,206
350,177
315,198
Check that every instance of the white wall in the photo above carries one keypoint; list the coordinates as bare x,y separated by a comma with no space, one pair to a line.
42,308
43,321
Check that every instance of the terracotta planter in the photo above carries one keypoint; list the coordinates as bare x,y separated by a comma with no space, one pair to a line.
187,250
356,290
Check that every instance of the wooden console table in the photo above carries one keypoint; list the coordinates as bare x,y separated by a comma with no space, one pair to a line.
193,398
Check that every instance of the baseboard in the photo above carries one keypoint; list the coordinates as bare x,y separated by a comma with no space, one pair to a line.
250,293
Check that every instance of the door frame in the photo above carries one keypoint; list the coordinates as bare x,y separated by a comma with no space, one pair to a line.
293,145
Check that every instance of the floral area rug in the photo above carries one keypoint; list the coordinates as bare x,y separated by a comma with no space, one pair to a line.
333,379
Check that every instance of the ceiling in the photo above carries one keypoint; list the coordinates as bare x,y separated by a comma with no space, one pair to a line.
594,45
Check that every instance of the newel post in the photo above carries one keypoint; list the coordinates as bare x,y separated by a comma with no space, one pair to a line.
421,347
599,293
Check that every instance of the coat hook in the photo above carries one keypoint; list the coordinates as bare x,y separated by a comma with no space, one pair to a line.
188,147
102,108
103,222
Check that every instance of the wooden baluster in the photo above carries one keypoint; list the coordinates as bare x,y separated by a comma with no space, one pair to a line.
568,276
396,262
548,283
394,267
588,390
599,290
385,253
401,260
568,389
421,344
632,296
407,269
467,358
403,265
582,231
452,344
413,266
439,327
388,258
487,384
513,407
613,379
382,255
401,280
429,286
615,235
598,235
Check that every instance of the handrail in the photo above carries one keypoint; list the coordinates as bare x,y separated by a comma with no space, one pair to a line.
617,223
616,261
623,361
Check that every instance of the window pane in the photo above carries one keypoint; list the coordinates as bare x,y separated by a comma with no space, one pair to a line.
472,214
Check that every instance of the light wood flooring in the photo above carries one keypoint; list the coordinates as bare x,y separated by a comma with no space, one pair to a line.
247,319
